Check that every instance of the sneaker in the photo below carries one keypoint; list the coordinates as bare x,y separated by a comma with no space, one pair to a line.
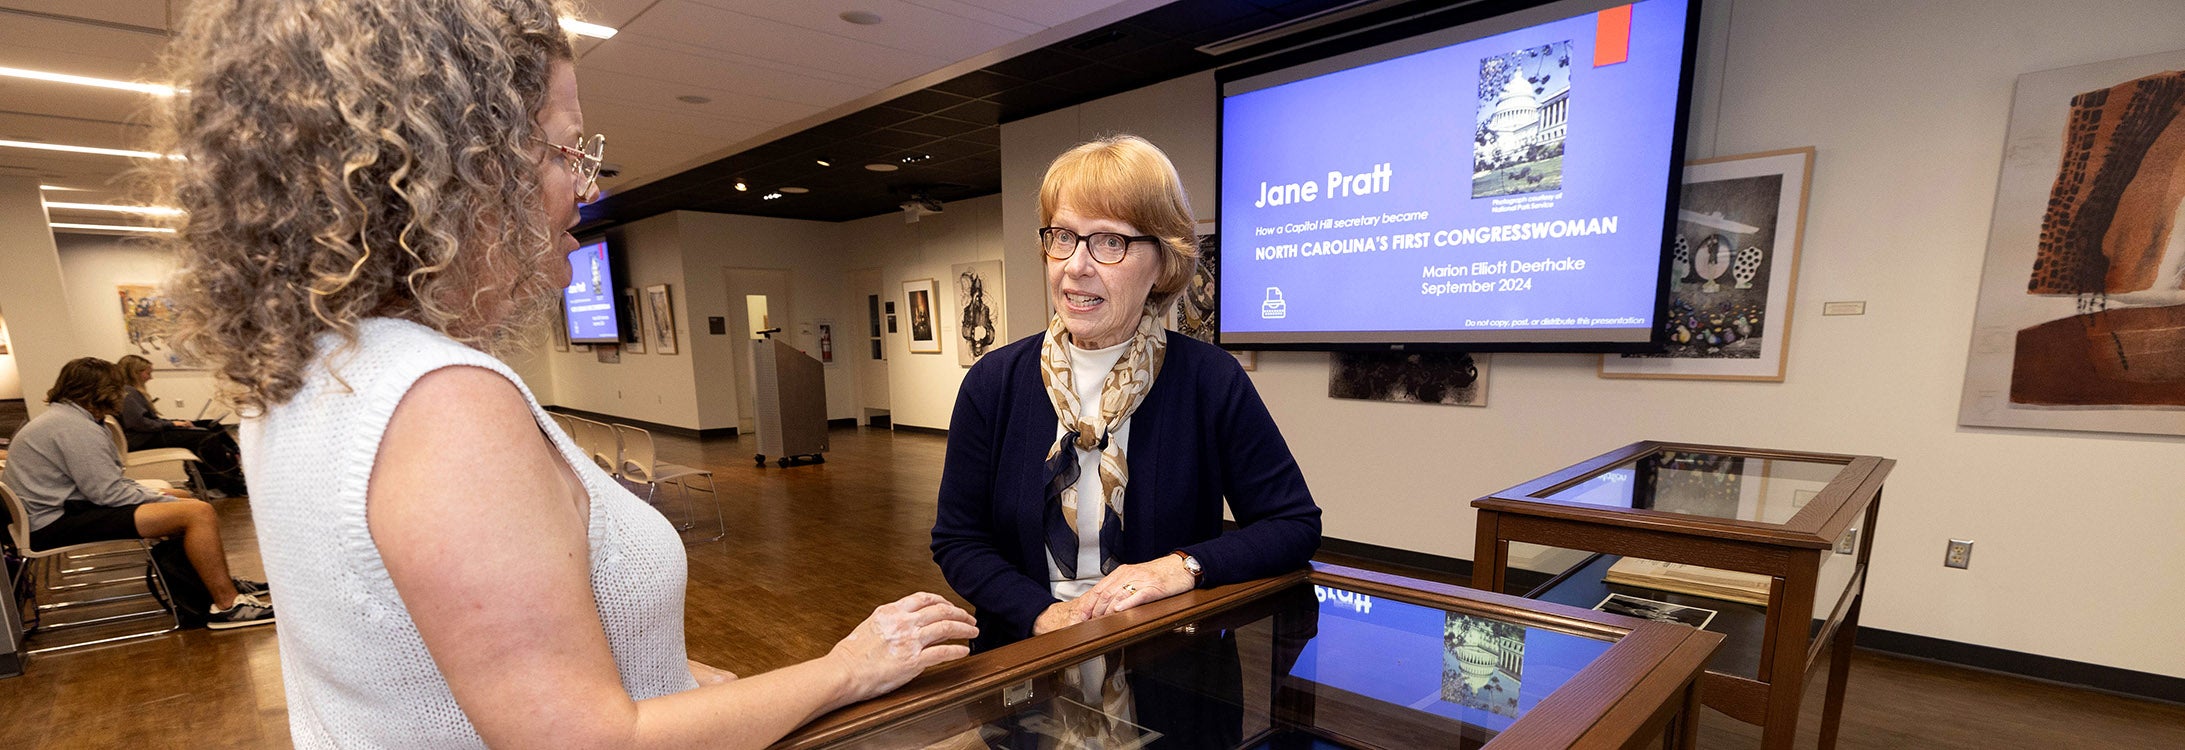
248,611
252,588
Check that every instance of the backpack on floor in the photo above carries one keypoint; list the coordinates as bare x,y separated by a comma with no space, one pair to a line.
191,602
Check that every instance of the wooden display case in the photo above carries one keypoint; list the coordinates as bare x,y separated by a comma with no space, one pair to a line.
1804,522
1327,657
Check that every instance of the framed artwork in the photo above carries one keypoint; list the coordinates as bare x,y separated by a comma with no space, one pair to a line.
148,321
662,317
1198,309
978,309
2082,295
1451,378
633,337
1733,271
925,335
561,326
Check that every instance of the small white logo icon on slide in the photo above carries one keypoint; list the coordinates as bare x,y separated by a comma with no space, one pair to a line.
1273,308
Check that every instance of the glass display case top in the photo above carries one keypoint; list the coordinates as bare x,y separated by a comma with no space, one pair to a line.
1703,483
1309,666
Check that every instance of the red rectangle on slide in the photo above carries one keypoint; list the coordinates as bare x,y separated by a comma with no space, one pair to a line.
1612,36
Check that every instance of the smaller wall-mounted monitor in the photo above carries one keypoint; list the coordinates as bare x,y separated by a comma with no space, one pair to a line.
589,300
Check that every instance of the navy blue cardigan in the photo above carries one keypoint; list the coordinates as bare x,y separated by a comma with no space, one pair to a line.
1202,434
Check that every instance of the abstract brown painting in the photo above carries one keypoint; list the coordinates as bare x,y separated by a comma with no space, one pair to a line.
2082,312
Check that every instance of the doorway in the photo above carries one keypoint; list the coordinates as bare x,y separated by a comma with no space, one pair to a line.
758,299
872,353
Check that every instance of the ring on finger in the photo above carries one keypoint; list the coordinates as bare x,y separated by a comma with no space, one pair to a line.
1130,588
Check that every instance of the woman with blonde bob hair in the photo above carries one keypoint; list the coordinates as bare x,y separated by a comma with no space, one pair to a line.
1046,516
378,194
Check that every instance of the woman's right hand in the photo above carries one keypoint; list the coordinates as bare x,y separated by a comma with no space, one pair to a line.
900,640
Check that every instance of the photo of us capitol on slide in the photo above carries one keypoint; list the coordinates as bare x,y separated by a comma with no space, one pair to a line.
1356,202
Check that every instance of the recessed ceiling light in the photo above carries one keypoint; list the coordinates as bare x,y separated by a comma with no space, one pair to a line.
770,196
155,89
915,158
860,17
111,228
108,207
694,99
823,162
593,30
795,190
84,150
882,167
740,186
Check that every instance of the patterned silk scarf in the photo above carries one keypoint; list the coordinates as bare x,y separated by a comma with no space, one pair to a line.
1089,429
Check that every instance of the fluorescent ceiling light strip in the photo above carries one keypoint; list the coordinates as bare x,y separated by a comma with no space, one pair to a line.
84,150
154,89
119,209
593,30
111,228
60,189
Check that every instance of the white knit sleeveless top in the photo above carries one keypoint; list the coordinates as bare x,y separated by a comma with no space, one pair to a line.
356,672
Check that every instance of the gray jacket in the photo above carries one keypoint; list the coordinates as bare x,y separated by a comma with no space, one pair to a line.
64,454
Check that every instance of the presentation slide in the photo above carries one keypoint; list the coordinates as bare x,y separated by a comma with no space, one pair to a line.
590,298
1512,183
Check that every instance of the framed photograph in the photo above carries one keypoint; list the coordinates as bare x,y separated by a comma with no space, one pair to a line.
2080,302
561,326
918,300
1733,269
633,336
978,309
148,322
1648,609
662,317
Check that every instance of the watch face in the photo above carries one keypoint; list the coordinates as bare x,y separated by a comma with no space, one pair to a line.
1191,564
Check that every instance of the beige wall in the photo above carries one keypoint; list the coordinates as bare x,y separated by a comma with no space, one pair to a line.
40,337
1906,103
922,387
651,387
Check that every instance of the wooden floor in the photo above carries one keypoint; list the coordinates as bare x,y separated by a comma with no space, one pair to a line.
812,549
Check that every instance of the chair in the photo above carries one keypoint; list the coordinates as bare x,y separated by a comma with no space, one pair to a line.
599,441
179,463
562,420
65,579
639,464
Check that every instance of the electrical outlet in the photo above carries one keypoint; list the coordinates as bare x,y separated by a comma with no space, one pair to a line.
1849,544
1959,554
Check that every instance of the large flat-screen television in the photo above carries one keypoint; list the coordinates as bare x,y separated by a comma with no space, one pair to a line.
1503,184
588,303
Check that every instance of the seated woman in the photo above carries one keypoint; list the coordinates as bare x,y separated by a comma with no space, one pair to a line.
1087,465
63,466
377,193
219,459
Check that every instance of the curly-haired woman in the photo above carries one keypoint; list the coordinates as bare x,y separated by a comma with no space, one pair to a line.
378,194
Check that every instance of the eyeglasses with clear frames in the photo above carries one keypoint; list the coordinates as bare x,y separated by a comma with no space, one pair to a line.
584,161
1108,248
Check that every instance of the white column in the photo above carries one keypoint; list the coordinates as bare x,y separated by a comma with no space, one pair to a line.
30,291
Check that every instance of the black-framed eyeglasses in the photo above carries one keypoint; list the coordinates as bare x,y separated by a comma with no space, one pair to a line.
584,161
1108,248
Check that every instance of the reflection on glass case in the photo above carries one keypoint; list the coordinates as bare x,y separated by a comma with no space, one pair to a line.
1319,660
